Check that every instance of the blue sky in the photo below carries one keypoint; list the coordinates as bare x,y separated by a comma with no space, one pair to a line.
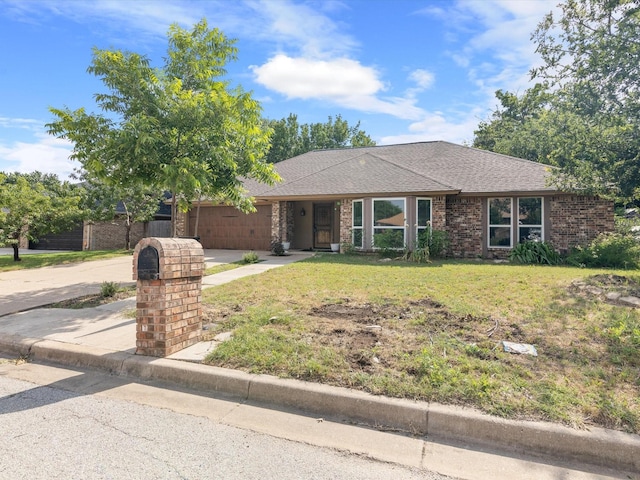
407,70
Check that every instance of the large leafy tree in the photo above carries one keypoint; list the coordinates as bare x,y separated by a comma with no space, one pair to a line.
133,203
180,128
584,116
34,205
290,138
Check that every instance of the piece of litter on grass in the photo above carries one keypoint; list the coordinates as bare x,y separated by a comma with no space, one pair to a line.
521,348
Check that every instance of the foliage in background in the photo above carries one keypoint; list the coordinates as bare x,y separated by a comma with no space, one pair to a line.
181,128
289,138
628,224
584,114
532,252
607,250
133,203
36,204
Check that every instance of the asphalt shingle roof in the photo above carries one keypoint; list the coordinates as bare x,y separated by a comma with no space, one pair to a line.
426,167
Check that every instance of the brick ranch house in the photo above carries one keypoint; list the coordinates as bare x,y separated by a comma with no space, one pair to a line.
486,202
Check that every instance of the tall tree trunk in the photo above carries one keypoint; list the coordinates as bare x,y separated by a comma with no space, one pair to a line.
127,233
195,229
16,257
174,215
127,236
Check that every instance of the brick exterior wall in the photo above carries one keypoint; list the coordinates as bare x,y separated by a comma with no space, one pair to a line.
169,309
110,235
282,221
288,222
464,226
576,220
275,221
439,213
346,218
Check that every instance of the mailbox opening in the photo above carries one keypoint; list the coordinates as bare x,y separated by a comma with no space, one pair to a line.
148,264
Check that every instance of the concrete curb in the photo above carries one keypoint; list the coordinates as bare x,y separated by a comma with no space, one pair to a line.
597,446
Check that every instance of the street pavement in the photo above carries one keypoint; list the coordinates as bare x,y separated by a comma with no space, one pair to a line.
104,338
89,426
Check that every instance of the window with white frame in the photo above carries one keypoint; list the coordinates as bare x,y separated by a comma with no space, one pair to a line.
389,223
500,222
530,219
357,224
423,221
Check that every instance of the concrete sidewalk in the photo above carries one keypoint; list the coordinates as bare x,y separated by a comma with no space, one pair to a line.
22,290
24,295
104,338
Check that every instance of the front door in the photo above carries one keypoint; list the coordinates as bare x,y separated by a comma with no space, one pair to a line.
322,222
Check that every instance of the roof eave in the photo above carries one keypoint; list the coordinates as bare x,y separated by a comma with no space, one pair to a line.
511,193
340,196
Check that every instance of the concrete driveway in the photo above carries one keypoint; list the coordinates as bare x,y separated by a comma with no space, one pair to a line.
22,290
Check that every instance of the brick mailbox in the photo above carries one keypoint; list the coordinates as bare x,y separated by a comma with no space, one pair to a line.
168,294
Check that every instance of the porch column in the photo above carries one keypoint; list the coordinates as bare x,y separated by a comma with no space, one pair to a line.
288,221
275,221
346,207
282,221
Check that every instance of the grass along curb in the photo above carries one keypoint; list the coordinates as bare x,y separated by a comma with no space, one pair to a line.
433,332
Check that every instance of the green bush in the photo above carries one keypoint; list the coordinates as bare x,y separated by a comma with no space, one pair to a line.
277,248
419,255
348,248
109,289
628,226
435,241
250,257
535,253
388,243
608,250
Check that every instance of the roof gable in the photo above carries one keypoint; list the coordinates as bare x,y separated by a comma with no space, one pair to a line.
362,173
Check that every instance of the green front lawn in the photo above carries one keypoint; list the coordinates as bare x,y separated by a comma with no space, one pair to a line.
37,260
434,332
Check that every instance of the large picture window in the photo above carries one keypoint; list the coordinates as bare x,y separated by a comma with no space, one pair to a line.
530,219
357,224
423,220
389,223
500,222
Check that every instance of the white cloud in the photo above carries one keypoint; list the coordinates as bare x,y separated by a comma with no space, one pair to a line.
141,16
306,78
48,155
436,126
341,81
302,28
423,78
21,123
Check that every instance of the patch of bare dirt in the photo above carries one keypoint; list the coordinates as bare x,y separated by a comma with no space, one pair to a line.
600,285
370,336
95,300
